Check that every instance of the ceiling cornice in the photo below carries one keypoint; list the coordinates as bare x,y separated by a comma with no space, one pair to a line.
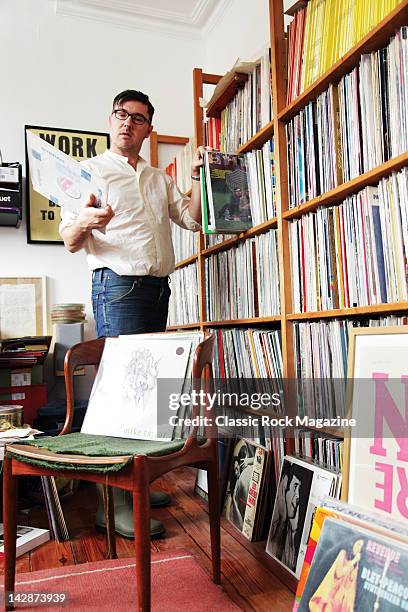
92,10
132,15
216,15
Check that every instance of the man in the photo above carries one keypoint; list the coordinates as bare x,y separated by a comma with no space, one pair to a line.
131,261
128,244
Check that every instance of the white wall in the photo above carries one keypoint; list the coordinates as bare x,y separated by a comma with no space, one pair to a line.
64,72
241,32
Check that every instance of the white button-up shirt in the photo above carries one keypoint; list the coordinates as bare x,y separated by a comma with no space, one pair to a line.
138,238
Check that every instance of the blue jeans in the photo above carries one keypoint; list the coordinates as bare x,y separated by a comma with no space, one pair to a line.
129,304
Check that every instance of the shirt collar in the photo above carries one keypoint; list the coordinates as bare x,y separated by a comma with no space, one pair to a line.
141,163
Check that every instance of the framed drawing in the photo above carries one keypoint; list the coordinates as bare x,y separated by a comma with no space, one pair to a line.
43,216
376,448
23,306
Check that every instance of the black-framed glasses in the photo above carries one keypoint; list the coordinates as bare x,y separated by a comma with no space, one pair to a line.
137,118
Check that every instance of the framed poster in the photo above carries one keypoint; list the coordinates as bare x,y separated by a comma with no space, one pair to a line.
376,448
23,306
43,216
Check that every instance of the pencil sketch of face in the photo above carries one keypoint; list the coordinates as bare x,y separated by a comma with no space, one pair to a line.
140,375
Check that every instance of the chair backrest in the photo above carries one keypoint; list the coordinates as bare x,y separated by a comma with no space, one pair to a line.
90,353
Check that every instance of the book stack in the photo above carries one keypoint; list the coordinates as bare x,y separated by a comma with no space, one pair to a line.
68,313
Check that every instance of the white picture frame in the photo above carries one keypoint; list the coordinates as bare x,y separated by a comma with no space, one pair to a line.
376,447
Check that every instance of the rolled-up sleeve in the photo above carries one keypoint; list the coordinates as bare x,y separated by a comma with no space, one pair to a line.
178,207
67,219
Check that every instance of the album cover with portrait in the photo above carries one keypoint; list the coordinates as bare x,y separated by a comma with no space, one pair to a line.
356,570
245,486
301,485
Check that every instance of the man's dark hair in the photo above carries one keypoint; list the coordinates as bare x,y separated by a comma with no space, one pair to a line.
131,94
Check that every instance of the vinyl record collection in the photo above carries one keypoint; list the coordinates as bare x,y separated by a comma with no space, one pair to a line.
353,254
354,126
251,280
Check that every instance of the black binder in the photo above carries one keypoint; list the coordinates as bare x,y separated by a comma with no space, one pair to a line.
10,194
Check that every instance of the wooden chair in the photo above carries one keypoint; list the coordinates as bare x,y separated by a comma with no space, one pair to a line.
134,471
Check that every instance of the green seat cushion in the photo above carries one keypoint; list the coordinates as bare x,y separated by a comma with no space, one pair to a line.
97,446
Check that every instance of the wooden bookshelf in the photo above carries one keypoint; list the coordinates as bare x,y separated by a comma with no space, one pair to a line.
282,113
335,432
254,231
186,262
356,311
185,326
258,551
223,97
295,7
259,139
238,322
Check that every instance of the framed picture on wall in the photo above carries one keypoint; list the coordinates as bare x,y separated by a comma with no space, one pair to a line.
376,447
23,306
43,216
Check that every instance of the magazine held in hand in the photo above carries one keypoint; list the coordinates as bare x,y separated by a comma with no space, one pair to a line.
226,206
130,395
61,179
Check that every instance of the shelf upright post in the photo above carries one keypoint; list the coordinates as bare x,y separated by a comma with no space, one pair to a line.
279,84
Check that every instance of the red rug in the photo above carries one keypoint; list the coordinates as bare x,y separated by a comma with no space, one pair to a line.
178,583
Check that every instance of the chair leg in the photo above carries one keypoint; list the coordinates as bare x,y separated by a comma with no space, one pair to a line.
141,513
214,512
109,507
10,529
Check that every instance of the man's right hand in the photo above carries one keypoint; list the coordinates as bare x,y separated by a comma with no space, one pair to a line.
91,217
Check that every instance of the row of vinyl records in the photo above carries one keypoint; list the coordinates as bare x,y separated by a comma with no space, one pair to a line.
323,31
251,360
183,303
320,353
238,191
354,254
355,560
341,554
253,499
249,276
185,242
352,127
248,111
180,168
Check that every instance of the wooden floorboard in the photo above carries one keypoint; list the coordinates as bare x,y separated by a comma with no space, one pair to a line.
250,584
